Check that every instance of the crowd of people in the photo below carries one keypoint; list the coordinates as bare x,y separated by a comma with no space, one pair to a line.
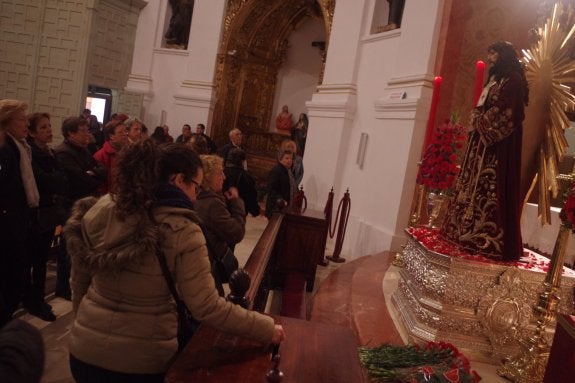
122,198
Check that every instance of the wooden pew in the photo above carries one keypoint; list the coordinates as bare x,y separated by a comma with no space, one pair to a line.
213,356
260,265
312,353
252,296
286,258
299,249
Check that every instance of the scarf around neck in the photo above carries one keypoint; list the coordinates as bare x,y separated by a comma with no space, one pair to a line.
170,195
27,174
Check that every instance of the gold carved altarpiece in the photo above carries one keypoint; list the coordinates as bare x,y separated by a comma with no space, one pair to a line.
252,51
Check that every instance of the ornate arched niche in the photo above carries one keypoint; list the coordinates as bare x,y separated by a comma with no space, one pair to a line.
252,51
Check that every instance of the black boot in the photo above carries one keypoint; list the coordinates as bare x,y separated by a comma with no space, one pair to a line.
41,310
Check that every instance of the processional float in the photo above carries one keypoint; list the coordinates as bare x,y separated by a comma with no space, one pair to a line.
496,311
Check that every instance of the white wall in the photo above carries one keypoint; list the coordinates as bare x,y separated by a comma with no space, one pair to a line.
177,82
298,77
400,60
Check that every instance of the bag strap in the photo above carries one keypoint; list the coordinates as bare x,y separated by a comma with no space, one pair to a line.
169,279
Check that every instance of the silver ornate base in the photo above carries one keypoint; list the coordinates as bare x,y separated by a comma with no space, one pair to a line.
481,308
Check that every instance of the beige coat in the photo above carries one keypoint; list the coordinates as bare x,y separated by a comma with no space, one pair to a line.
125,314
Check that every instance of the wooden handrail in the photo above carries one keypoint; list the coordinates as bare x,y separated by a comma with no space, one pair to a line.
261,267
259,262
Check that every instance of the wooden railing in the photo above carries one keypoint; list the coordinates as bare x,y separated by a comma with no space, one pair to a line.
249,292
259,267
213,356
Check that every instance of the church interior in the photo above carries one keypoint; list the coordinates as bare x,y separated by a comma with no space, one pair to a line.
374,78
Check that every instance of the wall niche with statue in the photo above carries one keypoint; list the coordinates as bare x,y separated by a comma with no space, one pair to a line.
177,24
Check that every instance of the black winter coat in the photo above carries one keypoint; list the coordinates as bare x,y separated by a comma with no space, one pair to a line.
50,178
14,217
246,185
278,188
52,185
76,161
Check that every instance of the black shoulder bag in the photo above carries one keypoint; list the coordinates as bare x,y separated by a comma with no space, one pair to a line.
187,324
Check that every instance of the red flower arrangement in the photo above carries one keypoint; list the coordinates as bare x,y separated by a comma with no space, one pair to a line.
439,166
434,362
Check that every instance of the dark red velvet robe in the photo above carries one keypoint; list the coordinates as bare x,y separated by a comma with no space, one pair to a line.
485,211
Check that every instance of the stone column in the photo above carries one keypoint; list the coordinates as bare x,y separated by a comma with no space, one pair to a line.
379,84
414,71
332,109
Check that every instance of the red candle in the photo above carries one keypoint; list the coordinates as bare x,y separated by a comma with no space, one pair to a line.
479,71
432,111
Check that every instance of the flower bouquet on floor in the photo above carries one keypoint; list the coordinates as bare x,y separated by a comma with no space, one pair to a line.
440,164
435,362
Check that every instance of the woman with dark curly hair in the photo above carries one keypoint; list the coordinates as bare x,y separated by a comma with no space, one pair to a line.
126,322
485,212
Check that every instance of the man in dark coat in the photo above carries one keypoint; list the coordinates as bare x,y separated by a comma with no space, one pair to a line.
212,147
281,183
235,142
84,173
186,134
85,177
239,178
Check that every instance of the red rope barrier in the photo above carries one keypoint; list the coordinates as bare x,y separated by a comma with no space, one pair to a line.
328,211
345,205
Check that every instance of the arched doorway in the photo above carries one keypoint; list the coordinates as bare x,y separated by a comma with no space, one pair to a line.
254,49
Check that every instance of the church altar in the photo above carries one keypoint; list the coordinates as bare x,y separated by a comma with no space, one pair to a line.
479,305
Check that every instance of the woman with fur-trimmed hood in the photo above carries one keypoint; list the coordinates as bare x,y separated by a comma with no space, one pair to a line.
126,320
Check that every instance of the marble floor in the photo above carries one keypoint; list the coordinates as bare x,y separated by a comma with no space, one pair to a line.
355,294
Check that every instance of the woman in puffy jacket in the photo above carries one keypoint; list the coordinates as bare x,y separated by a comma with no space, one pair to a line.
126,321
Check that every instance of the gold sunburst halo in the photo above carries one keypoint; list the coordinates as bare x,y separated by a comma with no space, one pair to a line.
549,67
